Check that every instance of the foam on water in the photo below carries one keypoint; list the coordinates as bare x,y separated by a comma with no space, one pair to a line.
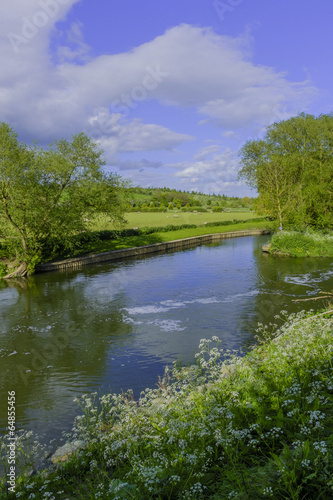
131,321
168,305
232,298
168,325
146,310
208,300
173,303
308,279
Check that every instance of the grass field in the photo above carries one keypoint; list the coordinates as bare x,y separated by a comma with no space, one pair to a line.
151,219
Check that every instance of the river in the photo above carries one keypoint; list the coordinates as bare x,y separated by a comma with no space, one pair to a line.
114,326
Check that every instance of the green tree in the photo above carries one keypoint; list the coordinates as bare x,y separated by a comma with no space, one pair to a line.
47,195
246,201
292,170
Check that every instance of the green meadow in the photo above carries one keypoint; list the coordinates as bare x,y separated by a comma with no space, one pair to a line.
151,219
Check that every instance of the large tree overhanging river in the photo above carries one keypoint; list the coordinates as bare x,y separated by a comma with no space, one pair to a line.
112,327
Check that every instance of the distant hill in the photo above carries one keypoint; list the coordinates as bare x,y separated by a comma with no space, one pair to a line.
163,197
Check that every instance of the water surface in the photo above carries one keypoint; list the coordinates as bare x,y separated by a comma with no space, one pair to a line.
114,326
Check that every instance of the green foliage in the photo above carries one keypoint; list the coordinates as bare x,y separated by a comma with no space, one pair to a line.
80,243
148,209
163,196
306,244
51,194
3,269
104,244
258,426
292,169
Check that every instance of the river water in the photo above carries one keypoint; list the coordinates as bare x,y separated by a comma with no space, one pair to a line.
114,326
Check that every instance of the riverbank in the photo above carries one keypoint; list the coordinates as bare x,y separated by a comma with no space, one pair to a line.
139,251
129,246
302,244
256,427
105,240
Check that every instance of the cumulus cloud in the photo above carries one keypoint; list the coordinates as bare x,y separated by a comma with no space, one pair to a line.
190,67
218,174
76,49
117,135
186,67
204,152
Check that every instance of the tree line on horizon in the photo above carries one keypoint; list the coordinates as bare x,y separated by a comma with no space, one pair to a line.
176,198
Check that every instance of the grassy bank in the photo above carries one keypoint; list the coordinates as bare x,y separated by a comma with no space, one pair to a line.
252,427
302,244
103,237
160,237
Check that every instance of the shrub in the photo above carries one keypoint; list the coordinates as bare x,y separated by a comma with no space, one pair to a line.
3,269
303,244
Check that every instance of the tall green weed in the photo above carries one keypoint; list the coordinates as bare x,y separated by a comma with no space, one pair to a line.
303,244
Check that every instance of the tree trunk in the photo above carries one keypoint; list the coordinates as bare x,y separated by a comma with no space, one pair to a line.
20,272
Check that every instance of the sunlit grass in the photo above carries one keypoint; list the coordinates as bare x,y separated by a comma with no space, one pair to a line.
148,239
151,219
303,244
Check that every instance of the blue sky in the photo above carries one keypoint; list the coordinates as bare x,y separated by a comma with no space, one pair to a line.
170,89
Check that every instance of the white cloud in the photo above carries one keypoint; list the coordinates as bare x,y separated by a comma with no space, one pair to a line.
117,135
184,67
256,105
229,133
203,153
218,175
77,49
191,67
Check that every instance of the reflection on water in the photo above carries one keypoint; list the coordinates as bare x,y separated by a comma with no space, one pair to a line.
112,327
